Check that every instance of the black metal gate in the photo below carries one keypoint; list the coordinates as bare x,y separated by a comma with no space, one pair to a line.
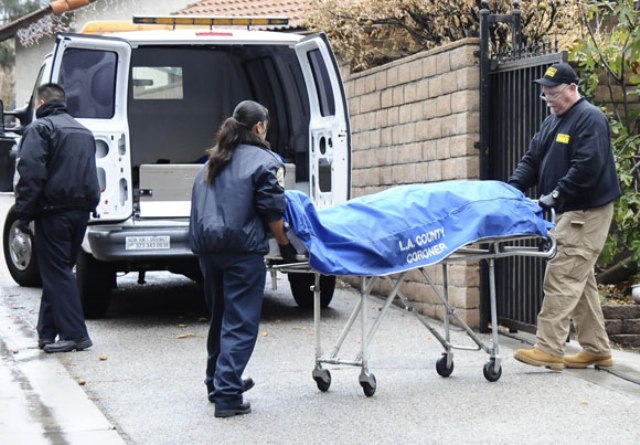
510,114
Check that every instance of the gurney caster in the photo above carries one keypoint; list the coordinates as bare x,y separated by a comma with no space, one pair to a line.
443,368
322,378
368,383
490,372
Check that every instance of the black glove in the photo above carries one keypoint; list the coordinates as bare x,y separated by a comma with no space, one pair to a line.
550,201
23,226
288,252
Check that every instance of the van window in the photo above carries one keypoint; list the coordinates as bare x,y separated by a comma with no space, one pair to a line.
177,98
323,83
89,80
157,82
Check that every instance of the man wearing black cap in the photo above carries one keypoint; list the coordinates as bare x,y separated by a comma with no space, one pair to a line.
571,161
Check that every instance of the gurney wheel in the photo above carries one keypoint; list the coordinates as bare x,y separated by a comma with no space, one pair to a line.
490,373
323,379
369,387
441,366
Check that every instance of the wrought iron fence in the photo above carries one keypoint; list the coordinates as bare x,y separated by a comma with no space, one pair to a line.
510,114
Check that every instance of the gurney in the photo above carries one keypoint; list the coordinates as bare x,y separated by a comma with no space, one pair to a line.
385,236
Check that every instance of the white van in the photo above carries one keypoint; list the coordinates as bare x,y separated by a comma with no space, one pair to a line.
154,100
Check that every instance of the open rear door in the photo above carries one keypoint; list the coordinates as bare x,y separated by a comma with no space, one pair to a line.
94,72
330,144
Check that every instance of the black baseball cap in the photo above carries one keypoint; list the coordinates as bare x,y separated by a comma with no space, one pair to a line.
557,74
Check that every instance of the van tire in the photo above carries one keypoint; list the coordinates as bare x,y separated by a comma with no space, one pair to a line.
19,253
301,283
95,280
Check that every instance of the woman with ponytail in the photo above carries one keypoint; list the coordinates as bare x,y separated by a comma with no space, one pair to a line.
237,199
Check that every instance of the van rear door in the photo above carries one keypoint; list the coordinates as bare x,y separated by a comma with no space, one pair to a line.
94,72
330,143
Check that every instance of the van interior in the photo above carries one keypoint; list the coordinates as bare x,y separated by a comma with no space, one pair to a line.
179,95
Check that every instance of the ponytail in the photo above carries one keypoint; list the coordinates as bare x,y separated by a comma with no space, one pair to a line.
228,138
234,131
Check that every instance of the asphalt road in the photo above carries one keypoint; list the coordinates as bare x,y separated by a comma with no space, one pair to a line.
146,370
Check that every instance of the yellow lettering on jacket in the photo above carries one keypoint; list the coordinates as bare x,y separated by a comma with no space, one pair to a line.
280,177
562,138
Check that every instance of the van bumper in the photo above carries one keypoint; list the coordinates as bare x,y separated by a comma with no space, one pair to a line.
142,243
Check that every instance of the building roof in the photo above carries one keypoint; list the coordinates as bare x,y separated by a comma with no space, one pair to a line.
293,9
10,29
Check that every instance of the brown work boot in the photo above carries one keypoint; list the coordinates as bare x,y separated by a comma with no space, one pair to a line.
536,357
583,359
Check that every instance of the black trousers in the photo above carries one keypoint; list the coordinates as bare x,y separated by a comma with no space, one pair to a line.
58,237
234,290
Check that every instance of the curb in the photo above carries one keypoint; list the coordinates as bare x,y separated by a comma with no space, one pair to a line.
40,403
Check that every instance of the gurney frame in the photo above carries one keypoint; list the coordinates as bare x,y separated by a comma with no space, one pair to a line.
488,249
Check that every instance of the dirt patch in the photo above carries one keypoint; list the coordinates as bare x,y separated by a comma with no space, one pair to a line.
619,293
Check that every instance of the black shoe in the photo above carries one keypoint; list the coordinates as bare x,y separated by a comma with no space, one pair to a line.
247,383
69,345
244,408
42,342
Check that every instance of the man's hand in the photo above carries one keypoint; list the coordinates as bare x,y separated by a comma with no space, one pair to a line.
23,226
288,252
550,201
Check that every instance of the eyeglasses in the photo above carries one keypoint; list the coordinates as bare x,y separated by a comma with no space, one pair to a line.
554,95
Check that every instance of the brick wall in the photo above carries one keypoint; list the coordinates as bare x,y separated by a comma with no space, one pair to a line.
415,120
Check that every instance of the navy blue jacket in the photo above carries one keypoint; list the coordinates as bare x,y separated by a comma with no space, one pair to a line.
230,215
572,153
57,165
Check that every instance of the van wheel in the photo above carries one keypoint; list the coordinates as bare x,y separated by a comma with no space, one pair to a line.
19,253
95,280
301,283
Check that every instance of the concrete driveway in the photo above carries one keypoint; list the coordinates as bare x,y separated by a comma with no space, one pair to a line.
143,378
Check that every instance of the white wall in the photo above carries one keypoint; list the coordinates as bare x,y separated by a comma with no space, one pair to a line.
125,9
28,59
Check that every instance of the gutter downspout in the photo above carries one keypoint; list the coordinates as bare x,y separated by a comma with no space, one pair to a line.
61,6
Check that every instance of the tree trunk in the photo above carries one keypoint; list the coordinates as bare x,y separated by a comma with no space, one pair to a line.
619,272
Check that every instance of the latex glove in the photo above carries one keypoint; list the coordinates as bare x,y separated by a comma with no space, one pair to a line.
288,252
548,202
23,226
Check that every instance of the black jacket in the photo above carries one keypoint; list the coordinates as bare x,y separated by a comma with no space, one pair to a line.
56,165
230,215
572,153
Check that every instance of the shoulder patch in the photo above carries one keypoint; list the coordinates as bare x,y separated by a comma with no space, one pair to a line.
562,138
280,177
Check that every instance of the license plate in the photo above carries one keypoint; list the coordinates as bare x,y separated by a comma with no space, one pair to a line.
147,242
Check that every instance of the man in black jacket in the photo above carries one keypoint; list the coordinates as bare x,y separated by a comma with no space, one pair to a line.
57,189
571,161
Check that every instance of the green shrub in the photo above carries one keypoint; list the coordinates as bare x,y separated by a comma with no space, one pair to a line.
610,58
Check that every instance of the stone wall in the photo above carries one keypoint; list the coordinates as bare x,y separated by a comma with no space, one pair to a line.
623,324
416,120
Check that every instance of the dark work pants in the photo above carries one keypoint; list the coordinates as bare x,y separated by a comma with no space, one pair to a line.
58,238
234,290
